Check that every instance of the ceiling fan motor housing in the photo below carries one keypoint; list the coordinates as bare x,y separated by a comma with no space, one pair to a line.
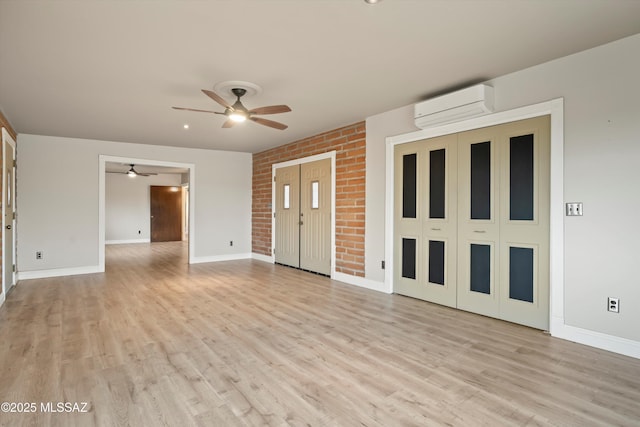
238,91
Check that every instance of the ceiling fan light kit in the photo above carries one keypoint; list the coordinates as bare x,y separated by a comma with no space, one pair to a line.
238,113
238,117
132,172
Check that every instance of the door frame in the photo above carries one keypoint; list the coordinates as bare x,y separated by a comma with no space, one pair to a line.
103,159
7,139
328,155
553,108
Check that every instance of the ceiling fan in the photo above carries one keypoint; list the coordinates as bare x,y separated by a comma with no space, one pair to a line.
238,113
133,173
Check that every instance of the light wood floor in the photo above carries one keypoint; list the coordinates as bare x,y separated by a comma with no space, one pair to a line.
154,341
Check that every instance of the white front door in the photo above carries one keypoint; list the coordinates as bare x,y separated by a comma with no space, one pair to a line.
303,216
8,212
315,216
287,232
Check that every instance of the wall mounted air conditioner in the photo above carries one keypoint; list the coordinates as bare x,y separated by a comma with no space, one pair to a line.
455,106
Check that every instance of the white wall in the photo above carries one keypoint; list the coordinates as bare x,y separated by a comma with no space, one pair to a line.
391,123
58,200
601,155
127,205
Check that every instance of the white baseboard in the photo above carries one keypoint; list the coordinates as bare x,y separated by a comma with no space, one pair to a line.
125,242
362,282
260,257
58,272
597,339
2,297
217,258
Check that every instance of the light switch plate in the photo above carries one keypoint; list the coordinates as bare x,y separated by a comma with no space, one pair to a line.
574,209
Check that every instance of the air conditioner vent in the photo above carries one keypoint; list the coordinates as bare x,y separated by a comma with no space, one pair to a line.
452,107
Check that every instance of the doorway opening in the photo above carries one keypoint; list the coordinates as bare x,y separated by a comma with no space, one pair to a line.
131,213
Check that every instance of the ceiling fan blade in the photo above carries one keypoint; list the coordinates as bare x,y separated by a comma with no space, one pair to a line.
220,100
145,174
272,109
229,123
193,109
269,123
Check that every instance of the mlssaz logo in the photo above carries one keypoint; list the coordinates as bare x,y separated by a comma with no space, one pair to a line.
64,407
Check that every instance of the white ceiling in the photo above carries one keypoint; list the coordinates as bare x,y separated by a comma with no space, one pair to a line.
111,70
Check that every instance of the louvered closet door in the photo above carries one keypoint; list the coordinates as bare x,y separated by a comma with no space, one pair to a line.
425,220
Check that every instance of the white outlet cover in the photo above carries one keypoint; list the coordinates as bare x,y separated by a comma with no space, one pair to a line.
574,209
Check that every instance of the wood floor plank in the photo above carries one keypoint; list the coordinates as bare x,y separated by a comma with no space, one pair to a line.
157,342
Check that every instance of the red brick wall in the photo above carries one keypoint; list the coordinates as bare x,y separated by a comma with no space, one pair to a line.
349,144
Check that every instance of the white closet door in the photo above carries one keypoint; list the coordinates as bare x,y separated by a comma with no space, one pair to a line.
426,226
471,221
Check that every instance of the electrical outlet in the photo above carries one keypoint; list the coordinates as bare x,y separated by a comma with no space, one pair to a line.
613,305
139,232
382,264
39,255
231,243
574,209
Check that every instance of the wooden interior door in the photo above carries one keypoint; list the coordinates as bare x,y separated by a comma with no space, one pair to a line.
166,213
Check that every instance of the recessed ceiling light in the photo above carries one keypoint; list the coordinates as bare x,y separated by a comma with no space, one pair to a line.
372,1
186,126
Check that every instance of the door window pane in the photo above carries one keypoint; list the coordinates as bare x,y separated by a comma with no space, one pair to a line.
521,274
480,270
409,174
436,262
481,180
9,195
521,177
436,183
286,196
409,258
315,203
